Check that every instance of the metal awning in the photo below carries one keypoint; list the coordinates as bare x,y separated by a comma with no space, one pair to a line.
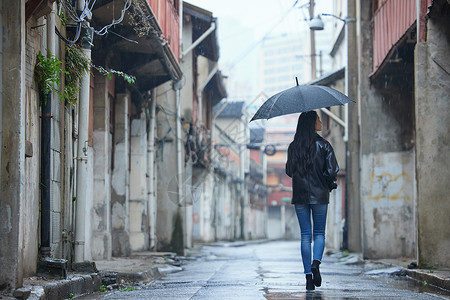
148,57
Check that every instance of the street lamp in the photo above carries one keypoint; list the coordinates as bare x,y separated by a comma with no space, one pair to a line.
317,23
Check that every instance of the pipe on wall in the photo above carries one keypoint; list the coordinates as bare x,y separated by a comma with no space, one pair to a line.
46,130
151,171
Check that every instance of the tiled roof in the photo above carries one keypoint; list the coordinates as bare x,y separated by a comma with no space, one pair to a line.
231,109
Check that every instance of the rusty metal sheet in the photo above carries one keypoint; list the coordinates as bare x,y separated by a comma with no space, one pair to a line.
168,19
390,23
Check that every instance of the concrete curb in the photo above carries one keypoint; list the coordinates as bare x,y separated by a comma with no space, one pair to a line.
77,285
440,280
142,277
437,278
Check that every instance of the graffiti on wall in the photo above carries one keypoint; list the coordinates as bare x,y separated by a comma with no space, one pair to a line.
386,185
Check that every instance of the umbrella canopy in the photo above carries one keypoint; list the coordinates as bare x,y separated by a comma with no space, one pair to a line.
301,98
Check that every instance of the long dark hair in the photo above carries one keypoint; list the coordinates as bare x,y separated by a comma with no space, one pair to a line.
304,142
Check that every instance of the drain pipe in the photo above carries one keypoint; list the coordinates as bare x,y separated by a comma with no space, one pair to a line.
46,132
177,87
151,171
82,163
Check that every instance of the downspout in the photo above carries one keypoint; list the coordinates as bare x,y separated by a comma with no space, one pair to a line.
151,170
200,39
46,128
82,164
177,88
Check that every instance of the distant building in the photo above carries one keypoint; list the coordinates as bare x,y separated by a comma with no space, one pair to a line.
285,57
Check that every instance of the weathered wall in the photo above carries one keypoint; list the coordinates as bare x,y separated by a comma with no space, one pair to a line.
139,213
102,147
32,163
12,169
432,144
276,228
223,207
120,192
387,182
203,206
387,185
387,193
166,162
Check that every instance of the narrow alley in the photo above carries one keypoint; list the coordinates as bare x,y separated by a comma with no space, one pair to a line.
273,270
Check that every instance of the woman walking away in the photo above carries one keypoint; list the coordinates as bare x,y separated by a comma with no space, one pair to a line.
313,168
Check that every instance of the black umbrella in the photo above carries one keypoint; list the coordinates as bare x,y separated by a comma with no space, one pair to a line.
300,98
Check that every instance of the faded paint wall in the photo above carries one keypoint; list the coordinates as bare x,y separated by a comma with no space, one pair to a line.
102,147
166,163
387,193
12,169
139,213
433,140
386,157
120,193
31,207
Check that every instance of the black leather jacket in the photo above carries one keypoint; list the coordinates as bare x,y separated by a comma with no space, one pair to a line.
314,187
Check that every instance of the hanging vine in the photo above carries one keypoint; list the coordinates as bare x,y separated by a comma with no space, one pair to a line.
77,64
48,73
49,70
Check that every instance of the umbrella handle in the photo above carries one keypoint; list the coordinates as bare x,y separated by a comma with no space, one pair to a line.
296,80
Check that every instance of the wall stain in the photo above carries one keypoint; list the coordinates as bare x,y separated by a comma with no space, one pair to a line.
387,187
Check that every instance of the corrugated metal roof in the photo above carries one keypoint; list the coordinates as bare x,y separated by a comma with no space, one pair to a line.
390,23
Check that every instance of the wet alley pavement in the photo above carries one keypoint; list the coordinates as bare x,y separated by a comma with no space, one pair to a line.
273,270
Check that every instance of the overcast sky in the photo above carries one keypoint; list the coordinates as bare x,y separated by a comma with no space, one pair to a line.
242,24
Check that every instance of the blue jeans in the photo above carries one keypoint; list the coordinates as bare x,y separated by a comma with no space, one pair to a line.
319,217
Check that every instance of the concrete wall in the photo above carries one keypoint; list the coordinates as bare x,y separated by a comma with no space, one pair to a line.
203,205
139,212
12,171
387,183
120,193
432,144
102,147
223,215
276,228
388,205
32,138
166,164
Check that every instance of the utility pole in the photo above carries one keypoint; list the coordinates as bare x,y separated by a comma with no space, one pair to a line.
313,42
352,239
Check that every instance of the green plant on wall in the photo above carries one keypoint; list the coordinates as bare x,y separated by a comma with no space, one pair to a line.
48,70
77,64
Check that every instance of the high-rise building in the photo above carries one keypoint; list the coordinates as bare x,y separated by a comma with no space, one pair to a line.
285,57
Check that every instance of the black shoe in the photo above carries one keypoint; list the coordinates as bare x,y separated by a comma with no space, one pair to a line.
309,282
316,273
